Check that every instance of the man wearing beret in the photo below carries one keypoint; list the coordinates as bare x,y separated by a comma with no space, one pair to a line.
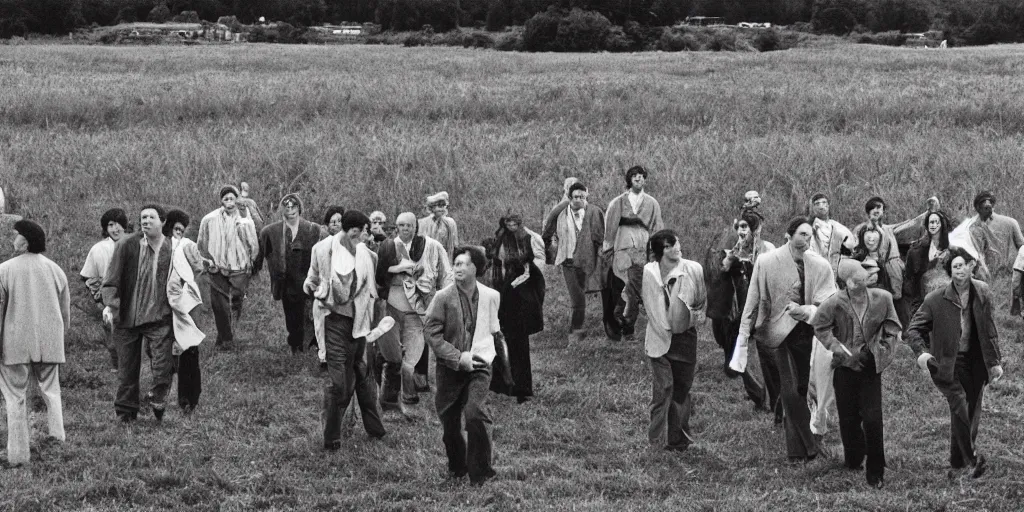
33,295
228,238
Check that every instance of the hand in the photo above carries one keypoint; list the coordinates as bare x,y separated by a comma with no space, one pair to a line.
923,359
308,287
406,266
108,317
738,363
479,363
995,373
801,313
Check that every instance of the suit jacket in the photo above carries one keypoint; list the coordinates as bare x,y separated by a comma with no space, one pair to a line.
273,247
118,288
587,252
445,331
935,328
834,324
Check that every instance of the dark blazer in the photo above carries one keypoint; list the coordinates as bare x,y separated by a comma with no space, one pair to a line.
834,323
273,247
935,328
917,265
444,329
118,288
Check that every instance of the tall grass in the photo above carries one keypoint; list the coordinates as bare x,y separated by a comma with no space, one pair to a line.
86,128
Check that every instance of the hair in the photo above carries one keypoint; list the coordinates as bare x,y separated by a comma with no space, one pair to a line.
795,224
226,189
331,210
379,214
661,240
944,229
160,212
633,171
576,186
354,219
114,214
174,217
476,255
863,233
953,253
982,196
751,217
873,203
815,197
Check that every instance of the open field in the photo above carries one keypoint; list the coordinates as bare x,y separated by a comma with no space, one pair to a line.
86,128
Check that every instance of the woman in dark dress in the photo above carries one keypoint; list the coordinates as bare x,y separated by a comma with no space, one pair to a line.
521,285
925,259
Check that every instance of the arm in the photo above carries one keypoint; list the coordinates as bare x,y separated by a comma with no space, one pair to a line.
203,239
265,245
455,232
312,281
550,231
1015,287
110,289
918,334
750,308
652,296
698,295
657,224
823,323
611,224
433,333
445,276
65,303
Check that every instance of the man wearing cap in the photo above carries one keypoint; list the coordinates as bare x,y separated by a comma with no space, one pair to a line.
438,225
35,314
860,327
996,237
629,222
135,294
287,246
341,278
228,237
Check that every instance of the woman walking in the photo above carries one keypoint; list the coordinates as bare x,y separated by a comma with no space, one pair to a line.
925,259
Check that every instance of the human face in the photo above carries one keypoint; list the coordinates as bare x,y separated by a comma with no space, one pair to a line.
20,243
820,208
638,181
151,224
377,224
934,224
578,199
743,230
463,268
334,226
672,253
872,240
439,209
115,230
512,226
291,210
406,229
355,234
801,239
857,282
985,208
179,230
228,202
961,271
875,214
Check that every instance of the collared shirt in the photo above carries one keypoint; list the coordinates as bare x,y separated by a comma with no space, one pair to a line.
966,318
470,306
634,200
150,295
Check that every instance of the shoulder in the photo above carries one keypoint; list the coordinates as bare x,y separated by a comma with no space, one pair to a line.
210,216
649,197
268,230
878,293
446,293
812,259
652,268
692,266
982,287
323,245
593,208
488,292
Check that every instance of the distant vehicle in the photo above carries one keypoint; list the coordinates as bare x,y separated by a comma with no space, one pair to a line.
703,21
747,24
929,39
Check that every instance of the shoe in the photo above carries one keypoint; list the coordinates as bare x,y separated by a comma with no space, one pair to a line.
522,399
979,467
383,327
296,350
455,475
482,479
332,446
323,366
876,481
158,413
612,332
423,388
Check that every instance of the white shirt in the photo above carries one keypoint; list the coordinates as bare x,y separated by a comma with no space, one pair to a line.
576,217
634,200
99,257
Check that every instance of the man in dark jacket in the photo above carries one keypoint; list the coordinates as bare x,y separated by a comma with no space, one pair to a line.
287,246
954,335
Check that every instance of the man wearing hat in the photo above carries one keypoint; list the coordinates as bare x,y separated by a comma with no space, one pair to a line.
228,238
33,295
438,225
860,327
287,246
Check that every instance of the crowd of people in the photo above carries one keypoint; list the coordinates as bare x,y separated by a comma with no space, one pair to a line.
808,326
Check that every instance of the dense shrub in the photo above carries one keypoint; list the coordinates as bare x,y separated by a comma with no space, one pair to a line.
283,33
891,38
509,41
401,15
541,30
187,17
767,41
673,41
159,14
573,31
834,20
617,40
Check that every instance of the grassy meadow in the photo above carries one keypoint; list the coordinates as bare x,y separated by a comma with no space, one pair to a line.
85,128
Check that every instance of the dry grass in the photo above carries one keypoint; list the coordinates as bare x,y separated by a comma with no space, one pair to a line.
86,128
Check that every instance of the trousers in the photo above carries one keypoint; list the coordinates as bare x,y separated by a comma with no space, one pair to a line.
158,337
859,404
346,370
298,320
14,385
226,296
464,394
964,395
793,360
671,380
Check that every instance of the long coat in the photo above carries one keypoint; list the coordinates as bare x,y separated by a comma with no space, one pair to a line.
35,310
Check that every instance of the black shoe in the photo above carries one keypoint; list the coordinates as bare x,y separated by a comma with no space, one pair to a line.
297,350
455,475
481,479
332,446
612,332
423,389
979,467
522,399
876,481
323,366
158,413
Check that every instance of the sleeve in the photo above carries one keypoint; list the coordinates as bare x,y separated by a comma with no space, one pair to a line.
445,276
247,232
698,295
3,311
433,333
991,321
65,300
650,291
89,268
918,334
908,231
313,274
849,240
195,260
455,233
264,245
537,245
550,231
657,224
1018,237
110,289
495,322
1018,263
1015,291
597,229
385,256
611,223
203,239
750,308
823,322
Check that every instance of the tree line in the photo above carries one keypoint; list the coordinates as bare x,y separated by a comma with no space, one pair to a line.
961,21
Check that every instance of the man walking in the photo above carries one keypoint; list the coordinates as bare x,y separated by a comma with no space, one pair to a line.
674,295
135,295
35,314
461,327
438,225
861,328
996,238
630,220
228,238
578,232
287,246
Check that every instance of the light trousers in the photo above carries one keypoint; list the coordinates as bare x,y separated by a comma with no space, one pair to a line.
14,384
821,393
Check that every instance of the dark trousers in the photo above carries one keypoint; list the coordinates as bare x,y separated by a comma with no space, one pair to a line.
346,369
772,381
627,296
859,402
576,284
387,374
671,380
226,295
465,394
190,381
519,364
725,332
157,336
298,320
793,358
964,395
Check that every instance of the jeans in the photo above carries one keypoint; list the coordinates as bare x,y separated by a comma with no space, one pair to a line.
14,384
465,394
346,369
859,402
190,379
298,320
226,295
158,337
576,284
793,360
671,380
964,395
